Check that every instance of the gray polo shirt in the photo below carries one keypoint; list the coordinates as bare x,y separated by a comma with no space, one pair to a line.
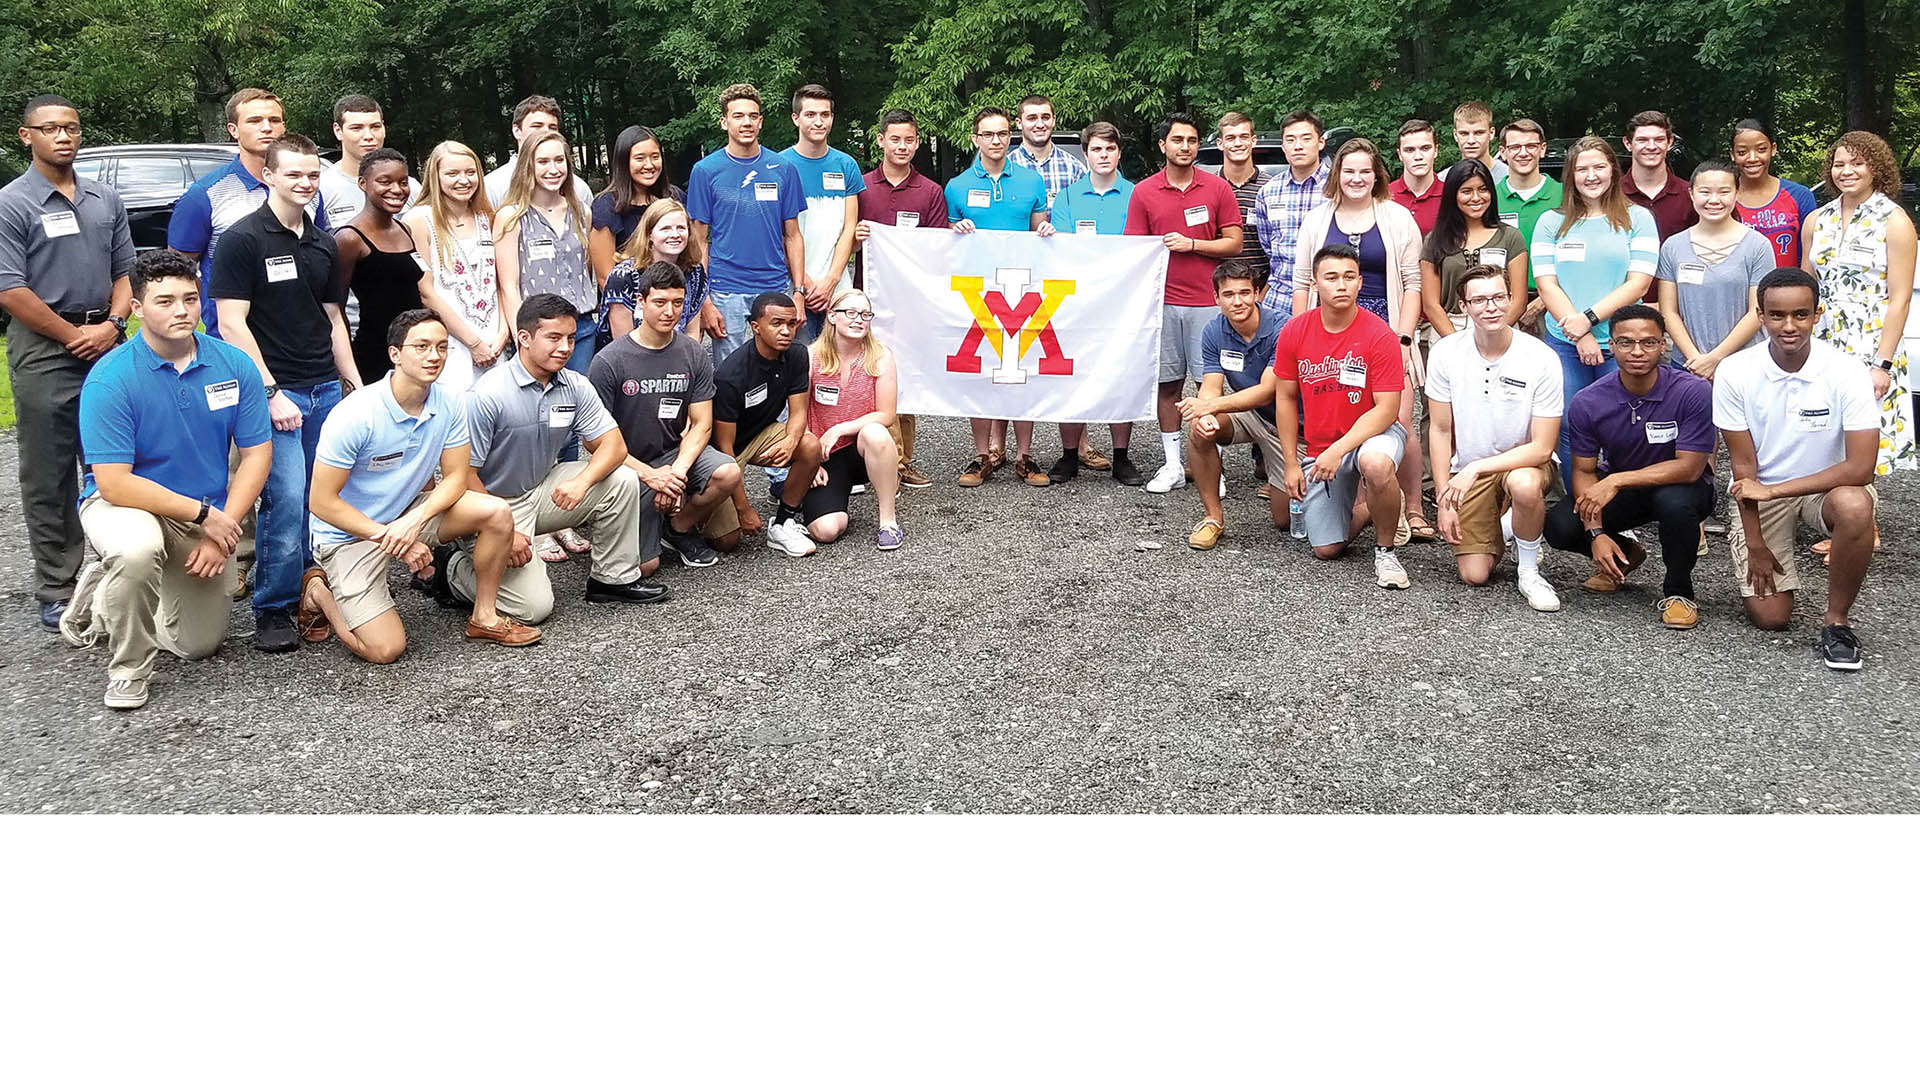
519,427
69,253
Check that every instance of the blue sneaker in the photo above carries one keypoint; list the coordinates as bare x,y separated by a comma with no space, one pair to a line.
889,537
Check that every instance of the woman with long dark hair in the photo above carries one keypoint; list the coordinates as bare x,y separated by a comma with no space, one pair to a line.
639,178
1467,233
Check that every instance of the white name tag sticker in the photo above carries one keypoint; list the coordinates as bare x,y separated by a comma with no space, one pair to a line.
60,223
541,251
826,395
561,416
1198,215
1693,273
1353,374
420,262
906,219
1662,431
1510,219
834,181
756,395
1231,360
1857,255
223,395
669,408
282,268
1493,256
763,192
979,198
383,462
1570,251
1813,420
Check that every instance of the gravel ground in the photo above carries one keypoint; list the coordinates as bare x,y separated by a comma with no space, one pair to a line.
1023,652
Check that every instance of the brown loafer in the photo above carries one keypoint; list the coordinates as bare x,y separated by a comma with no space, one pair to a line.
1034,475
1679,613
505,632
311,625
1205,535
1095,460
976,471
996,457
1601,583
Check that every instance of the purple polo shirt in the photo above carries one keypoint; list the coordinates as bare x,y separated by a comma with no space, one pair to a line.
1672,210
883,203
1628,433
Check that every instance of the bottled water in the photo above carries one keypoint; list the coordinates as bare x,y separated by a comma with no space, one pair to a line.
1299,511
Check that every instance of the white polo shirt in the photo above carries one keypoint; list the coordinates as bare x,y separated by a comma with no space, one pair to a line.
1798,419
1494,403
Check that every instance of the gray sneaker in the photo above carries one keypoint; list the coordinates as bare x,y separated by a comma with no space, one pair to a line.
126,693
76,623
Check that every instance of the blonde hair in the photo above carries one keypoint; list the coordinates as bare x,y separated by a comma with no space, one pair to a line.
1573,205
826,348
639,246
520,189
436,199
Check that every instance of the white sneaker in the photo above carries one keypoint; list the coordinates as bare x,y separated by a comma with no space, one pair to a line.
1171,475
1388,571
76,623
1223,485
790,537
1540,595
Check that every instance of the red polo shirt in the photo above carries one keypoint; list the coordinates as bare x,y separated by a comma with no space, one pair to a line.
1672,210
1425,208
1201,211
882,202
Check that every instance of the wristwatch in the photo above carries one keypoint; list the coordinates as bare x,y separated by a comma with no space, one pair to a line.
1406,339
1592,319
201,517
272,389
1884,363
1595,534
119,322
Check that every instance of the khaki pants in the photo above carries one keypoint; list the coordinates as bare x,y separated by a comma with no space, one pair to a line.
146,601
1778,521
611,508
725,517
903,432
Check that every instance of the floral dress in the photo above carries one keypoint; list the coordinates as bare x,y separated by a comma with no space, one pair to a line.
466,274
1851,258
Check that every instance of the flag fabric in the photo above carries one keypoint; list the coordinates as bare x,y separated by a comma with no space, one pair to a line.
1016,326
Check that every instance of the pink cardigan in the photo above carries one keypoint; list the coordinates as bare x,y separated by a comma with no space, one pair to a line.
1398,230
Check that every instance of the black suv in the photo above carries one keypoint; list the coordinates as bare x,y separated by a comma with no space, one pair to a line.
150,178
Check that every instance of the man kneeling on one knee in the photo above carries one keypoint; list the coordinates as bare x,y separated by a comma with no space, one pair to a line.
1237,388
520,417
372,503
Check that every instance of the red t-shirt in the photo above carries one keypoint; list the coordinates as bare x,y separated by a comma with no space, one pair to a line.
1157,208
1338,373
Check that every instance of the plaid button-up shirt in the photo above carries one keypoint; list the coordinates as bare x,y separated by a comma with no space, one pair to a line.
1059,170
1277,213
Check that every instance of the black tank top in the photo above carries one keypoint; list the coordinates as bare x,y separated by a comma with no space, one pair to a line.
386,284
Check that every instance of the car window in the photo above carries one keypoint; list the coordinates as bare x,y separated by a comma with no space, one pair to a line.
149,174
90,167
201,166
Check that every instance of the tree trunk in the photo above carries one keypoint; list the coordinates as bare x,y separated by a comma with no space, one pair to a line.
1861,89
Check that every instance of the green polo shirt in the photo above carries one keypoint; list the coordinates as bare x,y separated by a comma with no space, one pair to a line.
1523,214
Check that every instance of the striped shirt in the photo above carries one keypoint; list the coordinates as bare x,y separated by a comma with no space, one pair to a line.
1283,203
1246,195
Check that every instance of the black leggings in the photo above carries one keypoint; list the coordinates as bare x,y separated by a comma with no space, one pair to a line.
1678,508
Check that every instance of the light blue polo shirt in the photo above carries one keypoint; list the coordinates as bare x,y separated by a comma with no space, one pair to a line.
1007,204
389,456
174,427
1102,214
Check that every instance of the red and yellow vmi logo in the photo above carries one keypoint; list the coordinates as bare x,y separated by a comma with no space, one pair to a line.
1011,327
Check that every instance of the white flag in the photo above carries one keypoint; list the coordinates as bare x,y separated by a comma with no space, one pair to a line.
1015,326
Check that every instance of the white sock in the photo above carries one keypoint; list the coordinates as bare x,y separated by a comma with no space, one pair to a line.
1170,446
1506,525
1527,553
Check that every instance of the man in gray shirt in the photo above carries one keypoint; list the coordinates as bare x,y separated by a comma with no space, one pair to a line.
65,253
520,415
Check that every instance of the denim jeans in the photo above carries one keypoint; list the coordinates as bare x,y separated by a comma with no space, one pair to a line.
810,330
282,550
733,309
585,340
1575,377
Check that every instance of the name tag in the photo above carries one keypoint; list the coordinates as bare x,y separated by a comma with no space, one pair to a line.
561,416
1197,215
420,262
1813,420
282,268
485,241
1662,431
906,219
223,395
1086,228
834,181
1232,361
1353,374
669,408
1693,273
60,223
766,192
1493,256
1857,255
1511,388
756,395
1570,251
826,395
383,462
979,198
1510,219
541,251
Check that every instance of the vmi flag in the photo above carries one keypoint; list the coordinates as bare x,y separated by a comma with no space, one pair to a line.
1013,326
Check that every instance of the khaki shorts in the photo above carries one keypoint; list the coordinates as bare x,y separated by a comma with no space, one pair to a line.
1778,518
1250,428
357,574
725,518
1482,507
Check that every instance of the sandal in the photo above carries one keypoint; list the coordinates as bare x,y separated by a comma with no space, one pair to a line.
1421,529
1824,548
310,623
549,549
573,542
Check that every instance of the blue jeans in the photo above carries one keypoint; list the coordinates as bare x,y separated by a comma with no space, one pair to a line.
585,341
1575,377
282,549
810,330
733,308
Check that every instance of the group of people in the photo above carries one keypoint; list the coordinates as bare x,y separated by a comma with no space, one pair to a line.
478,374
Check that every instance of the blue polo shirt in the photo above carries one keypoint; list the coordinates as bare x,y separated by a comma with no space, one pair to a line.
174,427
745,204
389,456
1104,215
1008,203
1223,351
205,210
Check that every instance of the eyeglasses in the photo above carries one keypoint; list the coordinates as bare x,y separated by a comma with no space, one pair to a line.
854,314
1528,147
1486,301
50,130
993,136
1652,344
